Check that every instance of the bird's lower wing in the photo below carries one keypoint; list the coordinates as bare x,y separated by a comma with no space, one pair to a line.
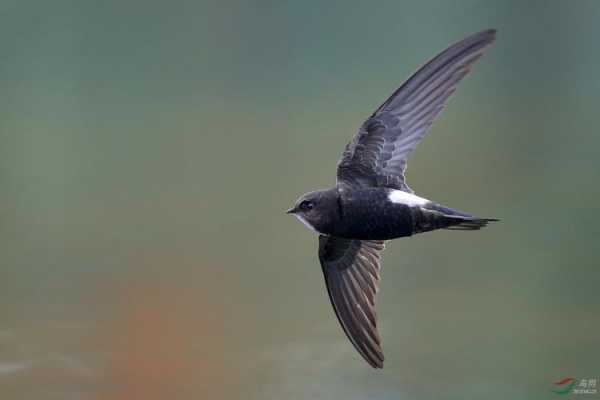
351,270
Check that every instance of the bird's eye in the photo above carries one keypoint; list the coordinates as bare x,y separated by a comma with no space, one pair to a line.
306,205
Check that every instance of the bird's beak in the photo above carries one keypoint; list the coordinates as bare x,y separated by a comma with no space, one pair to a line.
291,211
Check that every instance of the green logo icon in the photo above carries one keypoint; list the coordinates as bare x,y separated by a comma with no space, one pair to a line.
564,385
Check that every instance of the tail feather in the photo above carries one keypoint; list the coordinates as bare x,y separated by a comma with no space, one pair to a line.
470,224
459,221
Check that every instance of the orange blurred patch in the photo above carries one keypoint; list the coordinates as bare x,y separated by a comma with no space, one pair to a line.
166,342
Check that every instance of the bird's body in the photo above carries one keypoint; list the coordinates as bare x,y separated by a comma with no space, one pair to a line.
382,214
372,203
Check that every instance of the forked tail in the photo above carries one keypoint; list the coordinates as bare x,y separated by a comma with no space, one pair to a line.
459,221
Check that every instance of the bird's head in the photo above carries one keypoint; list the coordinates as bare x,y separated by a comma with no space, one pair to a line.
314,209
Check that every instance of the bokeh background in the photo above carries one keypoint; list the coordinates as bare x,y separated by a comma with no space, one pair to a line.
148,151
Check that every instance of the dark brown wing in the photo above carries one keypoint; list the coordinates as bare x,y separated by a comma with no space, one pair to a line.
351,269
377,154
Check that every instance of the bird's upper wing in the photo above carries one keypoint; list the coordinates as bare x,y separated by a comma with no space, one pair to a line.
376,156
351,269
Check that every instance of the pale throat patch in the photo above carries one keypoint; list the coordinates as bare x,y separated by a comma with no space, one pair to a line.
409,199
305,222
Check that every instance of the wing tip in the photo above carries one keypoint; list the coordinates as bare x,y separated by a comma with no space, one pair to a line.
486,35
375,360
478,42
377,364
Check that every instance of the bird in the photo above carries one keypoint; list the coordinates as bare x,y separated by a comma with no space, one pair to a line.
371,202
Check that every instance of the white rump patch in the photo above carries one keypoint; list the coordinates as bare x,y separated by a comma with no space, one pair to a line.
409,199
305,222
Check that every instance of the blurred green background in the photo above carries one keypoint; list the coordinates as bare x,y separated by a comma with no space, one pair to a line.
148,151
